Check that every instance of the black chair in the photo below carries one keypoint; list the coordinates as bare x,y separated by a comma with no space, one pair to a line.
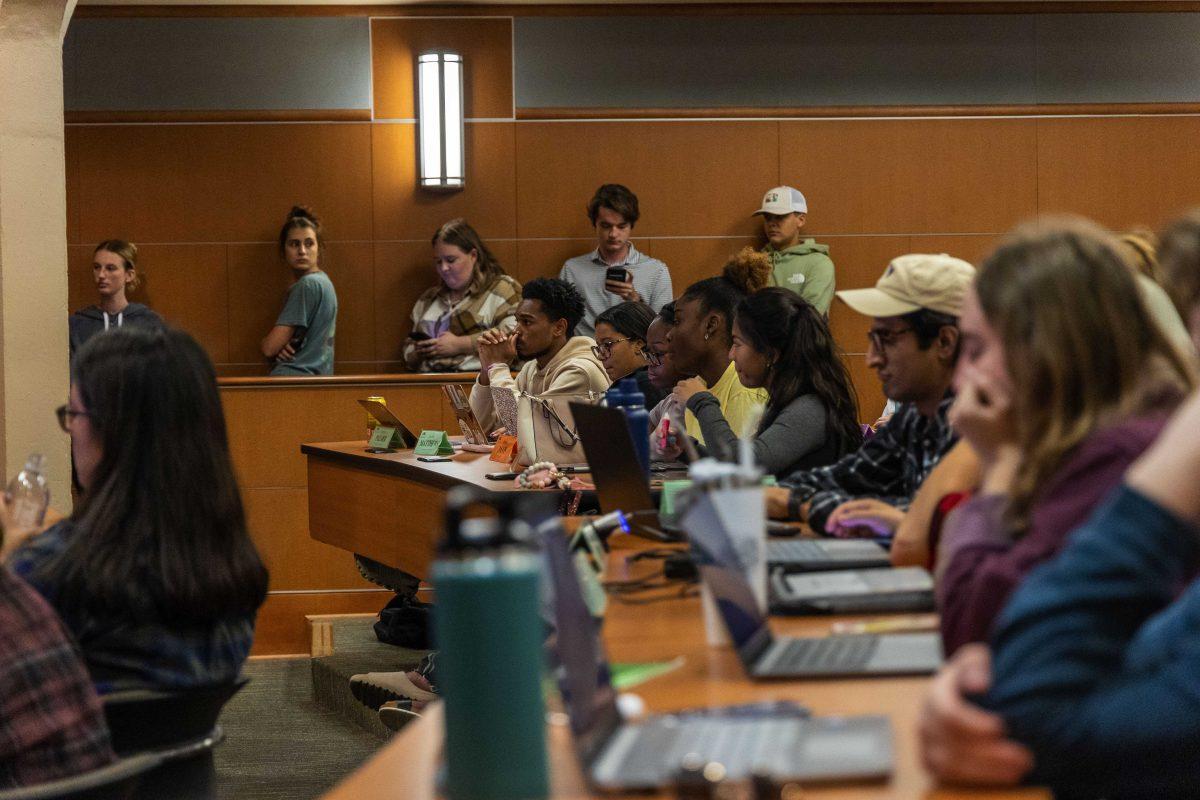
117,781
181,727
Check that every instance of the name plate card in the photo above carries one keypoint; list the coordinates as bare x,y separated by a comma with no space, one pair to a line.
384,439
433,443
505,450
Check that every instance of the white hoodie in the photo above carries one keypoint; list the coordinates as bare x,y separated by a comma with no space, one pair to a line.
573,370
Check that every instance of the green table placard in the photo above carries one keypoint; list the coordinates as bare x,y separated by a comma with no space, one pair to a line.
385,439
434,443
671,490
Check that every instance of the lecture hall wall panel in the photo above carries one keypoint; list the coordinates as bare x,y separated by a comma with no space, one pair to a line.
202,188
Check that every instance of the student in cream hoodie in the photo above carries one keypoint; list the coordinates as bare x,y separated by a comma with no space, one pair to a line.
556,360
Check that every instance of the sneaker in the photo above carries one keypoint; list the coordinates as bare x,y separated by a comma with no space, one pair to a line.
395,714
373,689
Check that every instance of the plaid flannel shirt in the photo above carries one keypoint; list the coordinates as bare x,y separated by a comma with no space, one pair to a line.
51,724
127,653
890,466
493,306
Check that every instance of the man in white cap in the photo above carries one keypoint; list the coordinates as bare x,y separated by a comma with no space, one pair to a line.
913,348
798,264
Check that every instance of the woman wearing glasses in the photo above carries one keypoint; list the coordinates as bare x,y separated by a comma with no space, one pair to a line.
154,572
621,344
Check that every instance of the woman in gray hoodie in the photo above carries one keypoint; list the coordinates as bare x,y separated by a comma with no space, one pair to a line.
114,269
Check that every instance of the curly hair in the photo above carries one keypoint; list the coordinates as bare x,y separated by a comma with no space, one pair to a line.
744,273
559,299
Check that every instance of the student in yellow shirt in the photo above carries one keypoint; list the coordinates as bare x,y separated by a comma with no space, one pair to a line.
700,340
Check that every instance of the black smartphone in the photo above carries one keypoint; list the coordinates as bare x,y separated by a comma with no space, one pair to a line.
618,274
500,476
297,340
419,336
433,459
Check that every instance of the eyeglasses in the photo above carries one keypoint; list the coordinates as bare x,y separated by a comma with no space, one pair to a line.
652,358
881,339
604,349
65,414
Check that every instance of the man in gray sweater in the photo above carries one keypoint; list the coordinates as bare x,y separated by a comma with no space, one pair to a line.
613,212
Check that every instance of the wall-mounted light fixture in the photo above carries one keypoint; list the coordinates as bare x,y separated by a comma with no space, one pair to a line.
440,109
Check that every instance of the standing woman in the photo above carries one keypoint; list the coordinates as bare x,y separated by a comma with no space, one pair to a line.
154,573
782,344
301,343
473,294
114,269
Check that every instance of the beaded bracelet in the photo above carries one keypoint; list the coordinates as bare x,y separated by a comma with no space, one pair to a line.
554,476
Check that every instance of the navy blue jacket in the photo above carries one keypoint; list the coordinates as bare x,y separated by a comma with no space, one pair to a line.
1096,665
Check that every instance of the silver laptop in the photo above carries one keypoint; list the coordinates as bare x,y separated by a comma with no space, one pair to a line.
818,555
864,591
765,656
623,756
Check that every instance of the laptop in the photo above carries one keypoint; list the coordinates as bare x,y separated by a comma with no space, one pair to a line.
765,656
620,486
616,755
864,591
389,420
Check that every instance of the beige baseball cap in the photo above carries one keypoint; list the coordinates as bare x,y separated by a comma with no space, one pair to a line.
783,200
913,282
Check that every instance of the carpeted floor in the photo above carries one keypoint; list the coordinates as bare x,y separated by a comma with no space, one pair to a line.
280,743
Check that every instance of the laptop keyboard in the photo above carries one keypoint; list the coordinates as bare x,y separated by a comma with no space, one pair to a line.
740,745
830,654
800,550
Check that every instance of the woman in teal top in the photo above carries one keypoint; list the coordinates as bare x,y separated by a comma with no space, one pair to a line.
301,342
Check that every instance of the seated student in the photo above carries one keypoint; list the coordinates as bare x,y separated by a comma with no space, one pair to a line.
613,212
913,347
621,344
1055,419
1140,249
662,374
702,336
782,344
798,264
51,723
301,342
947,485
154,572
114,269
473,294
1095,655
556,360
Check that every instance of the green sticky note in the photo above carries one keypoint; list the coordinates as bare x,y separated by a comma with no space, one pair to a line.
385,439
769,480
630,674
434,443
670,491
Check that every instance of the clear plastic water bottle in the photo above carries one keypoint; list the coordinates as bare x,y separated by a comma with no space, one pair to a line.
28,495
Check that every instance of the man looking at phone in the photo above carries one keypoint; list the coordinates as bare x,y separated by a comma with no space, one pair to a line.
615,271
557,360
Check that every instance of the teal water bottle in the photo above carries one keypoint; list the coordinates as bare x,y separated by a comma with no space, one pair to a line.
489,634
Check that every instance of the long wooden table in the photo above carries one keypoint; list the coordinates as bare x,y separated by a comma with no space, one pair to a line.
667,629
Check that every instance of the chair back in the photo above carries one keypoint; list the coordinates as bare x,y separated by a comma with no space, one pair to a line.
146,719
117,781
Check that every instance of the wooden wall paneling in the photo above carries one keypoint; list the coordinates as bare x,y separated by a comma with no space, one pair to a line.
972,248
281,628
267,426
858,262
403,270
484,44
404,211
278,522
870,392
695,258
544,258
222,183
1124,173
258,283
913,176
74,205
186,284
351,267
691,178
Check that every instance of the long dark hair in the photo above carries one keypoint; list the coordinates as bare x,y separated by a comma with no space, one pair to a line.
160,534
805,360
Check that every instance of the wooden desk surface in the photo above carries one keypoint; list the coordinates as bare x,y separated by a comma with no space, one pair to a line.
406,766
462,468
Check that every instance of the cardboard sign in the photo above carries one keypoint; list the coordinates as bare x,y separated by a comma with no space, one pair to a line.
384,439
505,450
433,443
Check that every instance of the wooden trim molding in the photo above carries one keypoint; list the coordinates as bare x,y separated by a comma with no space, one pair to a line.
319,381
216,115
535,8
752,112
